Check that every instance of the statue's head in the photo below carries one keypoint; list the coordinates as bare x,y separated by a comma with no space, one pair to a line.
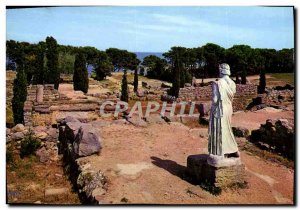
224,69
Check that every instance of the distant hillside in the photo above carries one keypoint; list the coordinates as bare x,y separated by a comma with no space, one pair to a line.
142,55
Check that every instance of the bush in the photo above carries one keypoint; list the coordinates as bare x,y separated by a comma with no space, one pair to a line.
29,145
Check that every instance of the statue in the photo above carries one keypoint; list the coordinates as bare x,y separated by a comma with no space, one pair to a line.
222,167
221,141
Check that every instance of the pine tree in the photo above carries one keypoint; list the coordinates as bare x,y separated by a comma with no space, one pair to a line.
135,81
80,75
124,91
19,90
53,74
262,82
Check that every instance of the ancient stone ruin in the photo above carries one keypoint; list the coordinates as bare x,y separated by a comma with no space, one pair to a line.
277,136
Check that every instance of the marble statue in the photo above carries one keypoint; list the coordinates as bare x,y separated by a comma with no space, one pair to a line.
221,140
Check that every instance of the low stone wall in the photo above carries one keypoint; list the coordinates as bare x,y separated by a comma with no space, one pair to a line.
199,93
79,140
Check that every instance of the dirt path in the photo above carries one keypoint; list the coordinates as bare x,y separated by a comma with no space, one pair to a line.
149,166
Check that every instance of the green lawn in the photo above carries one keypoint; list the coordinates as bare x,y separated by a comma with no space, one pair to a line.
283,77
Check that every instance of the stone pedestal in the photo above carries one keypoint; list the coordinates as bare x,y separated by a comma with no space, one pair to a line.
216,171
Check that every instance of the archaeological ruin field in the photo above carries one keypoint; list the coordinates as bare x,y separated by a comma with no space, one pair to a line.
122,160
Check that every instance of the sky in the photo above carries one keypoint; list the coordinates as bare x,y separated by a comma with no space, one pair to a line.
154,29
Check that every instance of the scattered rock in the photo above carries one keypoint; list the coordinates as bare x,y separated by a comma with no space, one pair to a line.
277,136
17,136
41,135
18,128
43,155
136,121
240,131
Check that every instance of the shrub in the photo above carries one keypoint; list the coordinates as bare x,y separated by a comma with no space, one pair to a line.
29,145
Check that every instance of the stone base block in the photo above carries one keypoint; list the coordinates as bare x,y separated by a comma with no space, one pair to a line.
221,176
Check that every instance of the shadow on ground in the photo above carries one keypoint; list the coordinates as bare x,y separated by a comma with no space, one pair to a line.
173,168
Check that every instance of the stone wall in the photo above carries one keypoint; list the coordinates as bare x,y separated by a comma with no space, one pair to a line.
49,95
200,93
50,100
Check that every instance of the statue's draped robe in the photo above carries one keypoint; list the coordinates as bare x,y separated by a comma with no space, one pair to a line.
221,139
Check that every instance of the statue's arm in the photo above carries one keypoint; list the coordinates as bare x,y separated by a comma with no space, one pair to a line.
214,92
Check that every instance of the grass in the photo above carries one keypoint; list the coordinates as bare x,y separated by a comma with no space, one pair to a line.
130,77
278,79
9,116
284,77
27,180
41,119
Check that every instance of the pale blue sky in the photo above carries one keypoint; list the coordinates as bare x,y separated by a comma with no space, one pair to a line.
154,29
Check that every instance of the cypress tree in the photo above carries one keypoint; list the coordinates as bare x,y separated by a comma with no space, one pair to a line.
135,81
39,76
262,82
243,77
19,90
124,91
176,81
53,74
80,75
